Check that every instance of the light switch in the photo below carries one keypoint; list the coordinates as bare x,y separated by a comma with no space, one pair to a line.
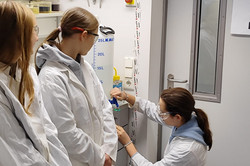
128,62
128,73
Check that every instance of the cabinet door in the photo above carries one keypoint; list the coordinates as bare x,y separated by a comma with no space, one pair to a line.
46,26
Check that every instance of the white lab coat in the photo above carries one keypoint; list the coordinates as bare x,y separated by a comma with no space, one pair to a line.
180,152
83,116
24,139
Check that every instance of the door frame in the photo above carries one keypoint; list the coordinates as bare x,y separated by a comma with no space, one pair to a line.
162,71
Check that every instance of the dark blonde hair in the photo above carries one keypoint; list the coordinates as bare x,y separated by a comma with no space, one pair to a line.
180,101
74,17
17,22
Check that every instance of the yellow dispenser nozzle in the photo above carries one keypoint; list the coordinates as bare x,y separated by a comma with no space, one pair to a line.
116,77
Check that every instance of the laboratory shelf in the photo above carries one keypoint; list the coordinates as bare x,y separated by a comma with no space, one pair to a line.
51,14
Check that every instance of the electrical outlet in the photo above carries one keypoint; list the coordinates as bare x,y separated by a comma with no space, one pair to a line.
128,82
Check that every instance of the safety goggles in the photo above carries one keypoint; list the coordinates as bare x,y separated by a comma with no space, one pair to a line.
91,33
36,29
160,113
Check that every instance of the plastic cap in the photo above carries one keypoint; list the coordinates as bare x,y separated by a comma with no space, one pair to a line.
116,77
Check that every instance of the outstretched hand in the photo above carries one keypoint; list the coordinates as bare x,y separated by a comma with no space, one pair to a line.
117,93
122,135
125,140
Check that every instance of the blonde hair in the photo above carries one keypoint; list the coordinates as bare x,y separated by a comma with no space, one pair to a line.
15,43
74,17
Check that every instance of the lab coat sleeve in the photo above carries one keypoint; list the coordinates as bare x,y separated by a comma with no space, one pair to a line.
110,135
78,144
58,153
15,147
180,155
148,108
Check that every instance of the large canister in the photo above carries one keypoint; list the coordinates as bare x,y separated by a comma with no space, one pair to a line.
100,56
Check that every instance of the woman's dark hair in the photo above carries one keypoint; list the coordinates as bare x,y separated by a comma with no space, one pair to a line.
180,101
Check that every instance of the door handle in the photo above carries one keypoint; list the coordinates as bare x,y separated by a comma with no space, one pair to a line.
171,81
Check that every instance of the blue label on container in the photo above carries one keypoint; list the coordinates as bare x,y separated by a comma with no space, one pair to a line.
106,40
118,86
100,68
100,54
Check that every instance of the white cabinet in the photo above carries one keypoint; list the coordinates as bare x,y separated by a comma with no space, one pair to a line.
47,22
46,25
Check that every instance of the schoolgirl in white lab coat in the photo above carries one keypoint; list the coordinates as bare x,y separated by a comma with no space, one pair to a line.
72,93
27,135
190,137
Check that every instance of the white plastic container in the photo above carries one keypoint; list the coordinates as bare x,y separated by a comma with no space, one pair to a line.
101,57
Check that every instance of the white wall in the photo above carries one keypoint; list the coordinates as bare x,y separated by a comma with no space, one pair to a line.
229,119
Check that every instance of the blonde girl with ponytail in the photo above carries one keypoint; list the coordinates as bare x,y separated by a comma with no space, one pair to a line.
73,94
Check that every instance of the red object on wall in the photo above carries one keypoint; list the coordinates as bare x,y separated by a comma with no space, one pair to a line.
128,1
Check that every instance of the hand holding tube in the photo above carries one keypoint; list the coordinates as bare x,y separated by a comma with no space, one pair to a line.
122,135
117,93
122,95
125,141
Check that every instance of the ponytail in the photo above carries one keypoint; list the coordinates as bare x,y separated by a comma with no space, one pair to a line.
51,40
74,17
204,125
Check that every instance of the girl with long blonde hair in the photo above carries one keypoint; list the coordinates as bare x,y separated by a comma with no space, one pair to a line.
27,135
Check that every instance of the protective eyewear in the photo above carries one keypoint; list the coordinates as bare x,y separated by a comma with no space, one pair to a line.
91,33
36,29
161,114
96,36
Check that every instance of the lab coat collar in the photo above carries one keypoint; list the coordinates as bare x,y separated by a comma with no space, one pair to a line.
190,129
53,54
